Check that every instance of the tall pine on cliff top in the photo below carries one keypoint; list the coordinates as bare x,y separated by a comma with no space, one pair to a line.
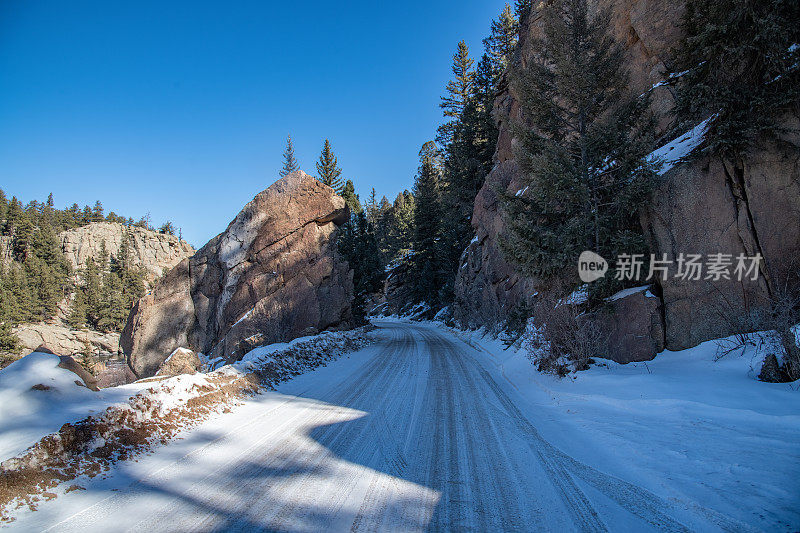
457,92
328,169
741,61
289,162
582,154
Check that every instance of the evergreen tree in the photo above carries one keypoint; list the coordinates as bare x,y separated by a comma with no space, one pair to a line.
425,263
14,215
289,162
328,169
739,62
502,40
584,156
97,212
9,343
372,207
3,208
167,228
523,8
351,198
457,92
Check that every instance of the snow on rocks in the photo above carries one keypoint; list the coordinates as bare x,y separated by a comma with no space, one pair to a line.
675,151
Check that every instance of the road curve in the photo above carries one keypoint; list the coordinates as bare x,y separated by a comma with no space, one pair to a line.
414,433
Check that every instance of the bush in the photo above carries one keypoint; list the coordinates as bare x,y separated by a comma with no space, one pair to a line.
564,337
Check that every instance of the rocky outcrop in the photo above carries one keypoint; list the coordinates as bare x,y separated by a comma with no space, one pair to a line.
711,206
157,253
273,275
634,323
181,361
487,286
700,207
65,341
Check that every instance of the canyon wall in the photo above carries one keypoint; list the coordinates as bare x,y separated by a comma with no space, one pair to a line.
702,206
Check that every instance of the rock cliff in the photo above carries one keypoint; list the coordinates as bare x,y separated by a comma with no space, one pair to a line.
699,207
157,253
274,274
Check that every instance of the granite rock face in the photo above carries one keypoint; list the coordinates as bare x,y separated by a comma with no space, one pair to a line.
710,206
273,275
157,253
487,287
703,206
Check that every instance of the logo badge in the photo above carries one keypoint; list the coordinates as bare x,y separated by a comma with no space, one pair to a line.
591,267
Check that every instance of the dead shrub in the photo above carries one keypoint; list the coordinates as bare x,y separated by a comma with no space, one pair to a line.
564,336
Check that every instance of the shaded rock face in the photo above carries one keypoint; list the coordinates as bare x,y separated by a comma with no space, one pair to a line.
63,340
700,207
157,253
397,290
711,206
487,287
636,327
273,275
86,379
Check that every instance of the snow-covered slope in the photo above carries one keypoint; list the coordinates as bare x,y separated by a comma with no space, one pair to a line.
27,413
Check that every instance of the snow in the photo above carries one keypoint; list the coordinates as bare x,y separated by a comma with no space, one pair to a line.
678,443
578,297
669,79
521,192
474,240
687,425
244,316
676,151
628,292
27,414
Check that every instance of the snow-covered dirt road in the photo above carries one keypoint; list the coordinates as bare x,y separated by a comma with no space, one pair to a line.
419,431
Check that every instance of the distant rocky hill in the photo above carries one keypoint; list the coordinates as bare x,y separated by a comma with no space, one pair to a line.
273,275
155,252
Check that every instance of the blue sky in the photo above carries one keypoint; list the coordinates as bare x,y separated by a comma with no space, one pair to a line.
181,109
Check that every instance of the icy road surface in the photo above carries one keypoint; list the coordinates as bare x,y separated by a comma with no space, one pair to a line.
417,432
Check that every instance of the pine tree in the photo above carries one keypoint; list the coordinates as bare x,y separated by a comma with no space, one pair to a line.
584,156
289,162
502,40
9,343
3,208
328,169
457,92
351,198
372,207
739,62
97,212
523,8
427,226
14,215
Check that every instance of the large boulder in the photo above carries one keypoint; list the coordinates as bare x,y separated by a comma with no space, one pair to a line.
155,252
634,322
273,275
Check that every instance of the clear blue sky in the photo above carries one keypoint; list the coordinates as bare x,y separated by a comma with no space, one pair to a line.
181,108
